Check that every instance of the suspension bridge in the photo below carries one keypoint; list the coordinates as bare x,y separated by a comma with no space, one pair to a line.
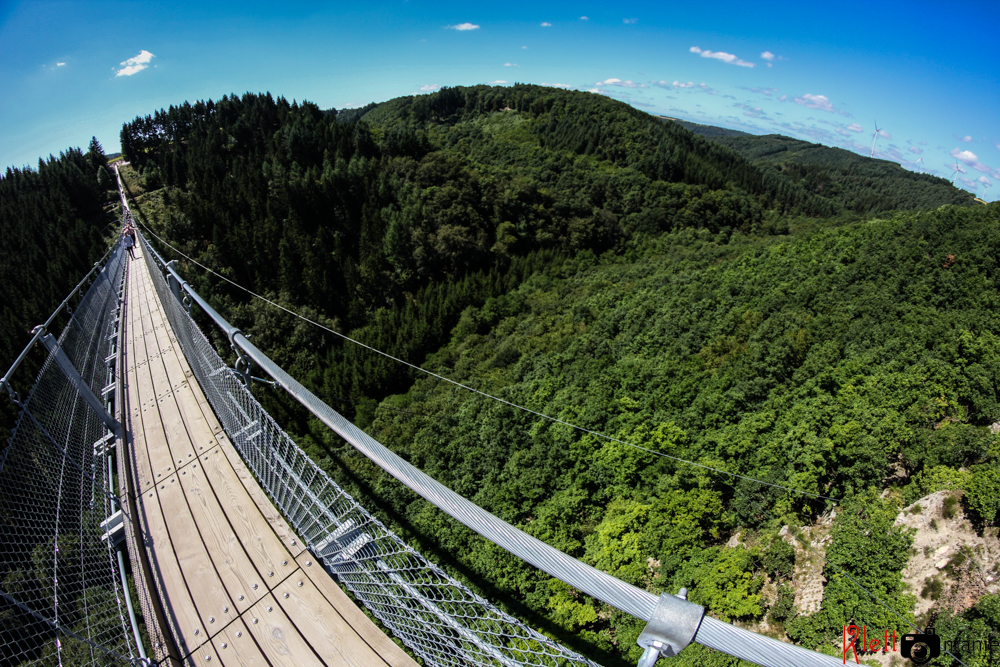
138,450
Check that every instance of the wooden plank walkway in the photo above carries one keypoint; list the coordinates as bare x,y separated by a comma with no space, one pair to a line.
237,585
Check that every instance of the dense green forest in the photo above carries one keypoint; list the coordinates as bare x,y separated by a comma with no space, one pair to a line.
54,222
858,183
574,255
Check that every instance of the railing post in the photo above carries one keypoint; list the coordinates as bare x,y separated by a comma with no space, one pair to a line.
175,286
73,375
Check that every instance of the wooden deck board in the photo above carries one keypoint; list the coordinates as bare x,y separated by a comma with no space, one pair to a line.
226,552
212,532
167,569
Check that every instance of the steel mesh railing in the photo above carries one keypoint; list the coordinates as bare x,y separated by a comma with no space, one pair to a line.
61,599
438,617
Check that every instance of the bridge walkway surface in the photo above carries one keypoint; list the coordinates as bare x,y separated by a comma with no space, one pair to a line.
237,586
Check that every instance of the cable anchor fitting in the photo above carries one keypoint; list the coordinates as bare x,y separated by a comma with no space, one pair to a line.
673,626
243,364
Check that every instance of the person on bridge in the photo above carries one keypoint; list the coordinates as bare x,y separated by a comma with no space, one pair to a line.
129,243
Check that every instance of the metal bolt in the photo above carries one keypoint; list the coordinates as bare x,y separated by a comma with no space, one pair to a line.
255,621
300,584
254,586
309,563
293,543
211,619
284,562
225,645
269,609
225,610
286,596
239,633
241,597
208,658
270,574
197,632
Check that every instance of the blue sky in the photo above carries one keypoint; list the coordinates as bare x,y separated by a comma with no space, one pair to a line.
929,72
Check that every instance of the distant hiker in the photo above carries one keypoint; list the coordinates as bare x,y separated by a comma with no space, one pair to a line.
129,243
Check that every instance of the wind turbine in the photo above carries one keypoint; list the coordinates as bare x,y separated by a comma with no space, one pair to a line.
917,163
875,138
958,168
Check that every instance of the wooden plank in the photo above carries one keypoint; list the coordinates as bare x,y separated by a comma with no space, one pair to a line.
208,592
177,601
225,552
159,425
277,636
352,615
267,552
176,381
323,626
293,543
142,466
173,417
236,647
205,656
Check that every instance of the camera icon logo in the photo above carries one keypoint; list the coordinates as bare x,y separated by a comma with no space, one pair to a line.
921,648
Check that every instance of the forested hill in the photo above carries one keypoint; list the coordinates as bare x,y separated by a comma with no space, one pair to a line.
357,219
861,184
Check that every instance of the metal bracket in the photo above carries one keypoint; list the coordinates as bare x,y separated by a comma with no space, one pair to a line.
243,363
114,528
674,624
73,375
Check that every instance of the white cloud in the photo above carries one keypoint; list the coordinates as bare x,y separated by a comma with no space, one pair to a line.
767,55
968,157
557,85
823,103
135,63
546,24
510,65
966,138
524,47
428,88
584,18
60,64
464,26
914,149
985,181
854,127
496,83
783,98
630,21
620,83
884,134
721,55
678,84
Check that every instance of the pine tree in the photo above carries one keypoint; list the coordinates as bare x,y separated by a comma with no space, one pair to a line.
95,153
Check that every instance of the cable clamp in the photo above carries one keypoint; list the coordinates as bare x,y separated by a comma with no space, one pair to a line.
674,624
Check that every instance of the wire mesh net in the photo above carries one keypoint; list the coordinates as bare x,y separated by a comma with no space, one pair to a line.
435,615
61,600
